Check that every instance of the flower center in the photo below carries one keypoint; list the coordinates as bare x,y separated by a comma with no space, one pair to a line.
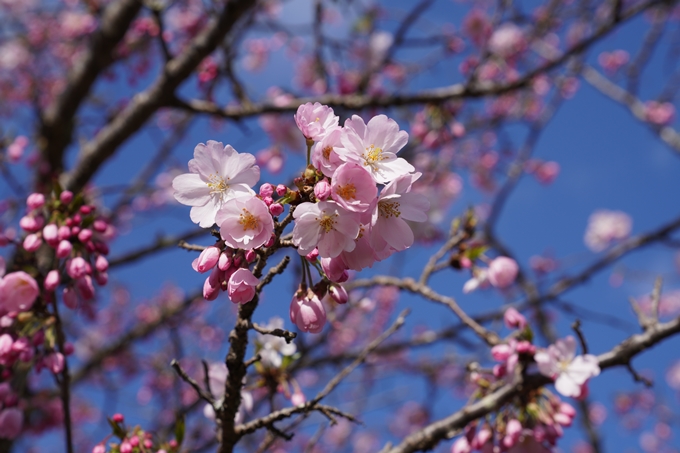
373,155
389,209
217,184
249,221
327,222
348,191
327,152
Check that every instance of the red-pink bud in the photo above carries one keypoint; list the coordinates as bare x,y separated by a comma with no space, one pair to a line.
51,234
134,441
502,272
118,418
567,409
322,190
339,294
76,267
281,190
31,224
11,422
54,362
35,201
250,256
501,352
64,249
32,242
66,196
102,278
52,280
270,242
224,262
514,319
101,263
313,255
85,209
85,287
99,225
64,232
266,190
276,209
212,285
85,235
75,230
207,259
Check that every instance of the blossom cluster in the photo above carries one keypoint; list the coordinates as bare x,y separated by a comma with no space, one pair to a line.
534,423
342,220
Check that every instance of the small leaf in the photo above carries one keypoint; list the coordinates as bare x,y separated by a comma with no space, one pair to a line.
179,429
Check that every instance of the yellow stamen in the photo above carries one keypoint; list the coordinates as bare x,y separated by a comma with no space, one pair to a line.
327,152
389,209
249,221
327,222
373,155
348,192
217,184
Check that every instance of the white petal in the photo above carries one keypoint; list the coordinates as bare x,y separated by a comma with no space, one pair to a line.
191,190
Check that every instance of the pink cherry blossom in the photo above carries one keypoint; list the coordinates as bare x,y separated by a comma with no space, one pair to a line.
326,225
315,121
353,187
54,362
242,285
363,255
507,40
18,291
570,372
375,146
307,312
395,205
324,154
502,272
335,269
605,227
461,445
245,223
217,174
322,190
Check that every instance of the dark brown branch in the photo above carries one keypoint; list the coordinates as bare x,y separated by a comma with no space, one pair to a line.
205,395
142,107
57,121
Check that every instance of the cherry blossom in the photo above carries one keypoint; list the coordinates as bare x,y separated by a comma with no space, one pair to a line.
245,222
272,348
395,205
604,227
375,146
570,372
326,225
324,155
217,174
242,285
353,187
502,272
217,375
315,121
307,312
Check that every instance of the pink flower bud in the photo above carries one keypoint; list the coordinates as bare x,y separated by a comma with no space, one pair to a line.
99,225
66,196
118,418
276,209
512,432
11,422
70,298
281,190
85,209
51,234
501,352
268,200
212,285
54,362
307,312
134,441
30,224
335,269
32,242
567,409
68,348
35,201
18,292
499,370
6,343
207,259
75,230
339,294
313,255
64,249
84,235
101,264
562,419
99,448
77,267
250,256
322,190
266,190
242,285
502,272
77,219
481,438
224,262
52,280
125,447
514,319
64,232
